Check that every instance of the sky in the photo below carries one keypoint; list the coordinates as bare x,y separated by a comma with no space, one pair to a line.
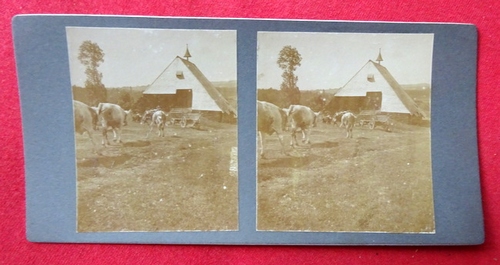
329,60
135,57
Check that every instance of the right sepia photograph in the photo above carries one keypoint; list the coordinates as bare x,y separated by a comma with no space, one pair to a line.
344,132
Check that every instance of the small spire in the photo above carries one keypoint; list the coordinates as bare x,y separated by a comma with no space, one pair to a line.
187,54
379,58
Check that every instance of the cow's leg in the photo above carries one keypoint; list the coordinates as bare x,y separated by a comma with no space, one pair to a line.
293,141
150,129
306,135
114,134
90,137
160,129
105,136
119,134
260,145
282,142
348,130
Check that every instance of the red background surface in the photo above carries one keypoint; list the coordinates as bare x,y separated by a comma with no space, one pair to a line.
485,14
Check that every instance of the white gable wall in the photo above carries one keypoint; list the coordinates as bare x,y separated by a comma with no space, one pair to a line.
168,83
359,85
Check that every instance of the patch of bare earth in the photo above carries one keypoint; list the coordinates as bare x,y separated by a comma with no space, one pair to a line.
377,181
180,182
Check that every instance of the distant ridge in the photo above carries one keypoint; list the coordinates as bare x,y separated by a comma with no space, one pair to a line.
416,86
230,83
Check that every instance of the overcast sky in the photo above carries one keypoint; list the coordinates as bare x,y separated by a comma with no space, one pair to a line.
135,57
329,60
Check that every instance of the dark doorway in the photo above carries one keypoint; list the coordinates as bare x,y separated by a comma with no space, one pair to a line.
184,98
373,101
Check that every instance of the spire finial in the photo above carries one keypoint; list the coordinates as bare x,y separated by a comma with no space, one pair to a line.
187,54
379,58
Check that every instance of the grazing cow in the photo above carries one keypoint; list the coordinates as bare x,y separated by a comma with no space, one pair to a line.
148,115
327,118
270,119
137,117
114,117
347,120
337,117
301,118
85,119
158,118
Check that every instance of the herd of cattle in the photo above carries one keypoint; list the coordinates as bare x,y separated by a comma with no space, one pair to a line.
271,119
112,117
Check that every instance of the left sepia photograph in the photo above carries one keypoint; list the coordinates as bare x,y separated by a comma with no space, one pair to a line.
155,113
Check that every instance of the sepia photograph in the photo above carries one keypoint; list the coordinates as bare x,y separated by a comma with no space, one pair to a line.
343,132
155,118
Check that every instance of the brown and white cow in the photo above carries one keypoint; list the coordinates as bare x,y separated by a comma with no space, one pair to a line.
301,118
158,118
270,119
112,117
85,119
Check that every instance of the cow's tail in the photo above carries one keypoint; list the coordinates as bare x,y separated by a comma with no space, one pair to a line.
99,108
94,116
290,110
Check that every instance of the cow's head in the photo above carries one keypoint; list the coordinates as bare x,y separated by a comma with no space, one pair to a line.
337,117
317,116
144,116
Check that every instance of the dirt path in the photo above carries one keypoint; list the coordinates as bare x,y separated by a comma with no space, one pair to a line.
378,181
179,182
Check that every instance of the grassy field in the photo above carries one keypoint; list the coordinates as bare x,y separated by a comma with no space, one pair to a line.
377,181
180,182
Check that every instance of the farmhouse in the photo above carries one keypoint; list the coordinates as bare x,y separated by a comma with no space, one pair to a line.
183,85
374,88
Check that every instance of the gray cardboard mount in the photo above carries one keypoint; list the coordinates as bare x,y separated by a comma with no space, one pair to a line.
43,73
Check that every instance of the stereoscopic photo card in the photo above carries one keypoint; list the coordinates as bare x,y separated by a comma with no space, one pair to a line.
163,130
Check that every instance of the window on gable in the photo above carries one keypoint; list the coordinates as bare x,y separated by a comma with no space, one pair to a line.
179,74
370,78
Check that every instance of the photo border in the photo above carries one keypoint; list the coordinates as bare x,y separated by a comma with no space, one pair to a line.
48,131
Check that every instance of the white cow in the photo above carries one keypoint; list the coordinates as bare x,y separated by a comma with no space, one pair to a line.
85,119
112,117
347,119
270,119
158,118
301,118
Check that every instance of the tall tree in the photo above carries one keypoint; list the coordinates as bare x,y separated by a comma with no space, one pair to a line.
91,56
288,60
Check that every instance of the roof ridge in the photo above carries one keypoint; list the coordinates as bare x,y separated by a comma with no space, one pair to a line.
402,95
209,87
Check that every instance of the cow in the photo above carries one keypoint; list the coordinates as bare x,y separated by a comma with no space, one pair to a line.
347,119
85,119
158,118
337,117
327,118
270,119
301,118
148,115
112,117
137,117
